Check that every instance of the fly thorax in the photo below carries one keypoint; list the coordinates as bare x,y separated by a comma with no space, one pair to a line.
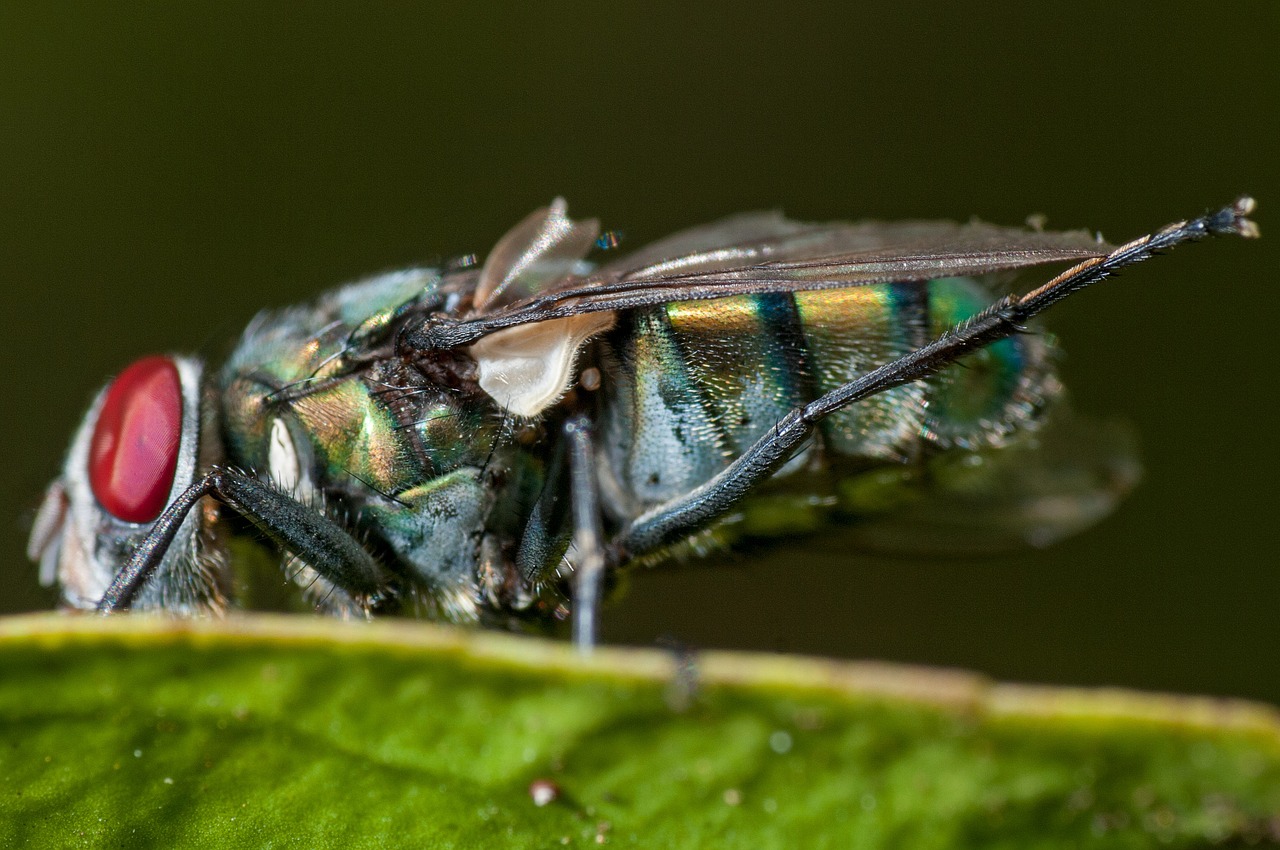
435,531
440,413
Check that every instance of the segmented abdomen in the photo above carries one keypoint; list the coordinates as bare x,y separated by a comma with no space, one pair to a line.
692,384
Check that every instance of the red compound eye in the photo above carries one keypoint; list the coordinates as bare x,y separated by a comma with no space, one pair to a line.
135,441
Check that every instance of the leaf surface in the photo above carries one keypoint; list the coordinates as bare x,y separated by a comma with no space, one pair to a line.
297,732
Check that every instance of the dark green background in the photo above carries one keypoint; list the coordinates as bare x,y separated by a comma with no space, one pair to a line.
168,171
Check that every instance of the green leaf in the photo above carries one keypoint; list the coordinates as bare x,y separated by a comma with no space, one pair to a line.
299,732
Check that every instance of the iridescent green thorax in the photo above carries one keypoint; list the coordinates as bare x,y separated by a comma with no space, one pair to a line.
389,426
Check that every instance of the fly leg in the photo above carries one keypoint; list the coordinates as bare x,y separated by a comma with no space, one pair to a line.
588,539
680,517
318,540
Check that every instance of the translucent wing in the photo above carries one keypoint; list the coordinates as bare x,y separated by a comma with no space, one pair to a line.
1045,485
764,252
535,256
528,366
767,247
531,312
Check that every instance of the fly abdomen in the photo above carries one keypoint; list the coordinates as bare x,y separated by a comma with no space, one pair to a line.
993,391
694,383
849,332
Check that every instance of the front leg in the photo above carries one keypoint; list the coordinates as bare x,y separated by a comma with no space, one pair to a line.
324,545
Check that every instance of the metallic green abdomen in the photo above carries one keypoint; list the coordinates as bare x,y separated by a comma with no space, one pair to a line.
692,384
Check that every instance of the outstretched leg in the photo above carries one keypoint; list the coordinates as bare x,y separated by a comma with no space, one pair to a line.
678,518
324,545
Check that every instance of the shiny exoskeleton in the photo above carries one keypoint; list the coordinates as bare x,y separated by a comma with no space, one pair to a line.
460,442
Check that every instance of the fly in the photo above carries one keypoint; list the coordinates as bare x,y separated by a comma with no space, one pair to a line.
485,444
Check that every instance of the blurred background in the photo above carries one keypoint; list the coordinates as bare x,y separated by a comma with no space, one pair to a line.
168,171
